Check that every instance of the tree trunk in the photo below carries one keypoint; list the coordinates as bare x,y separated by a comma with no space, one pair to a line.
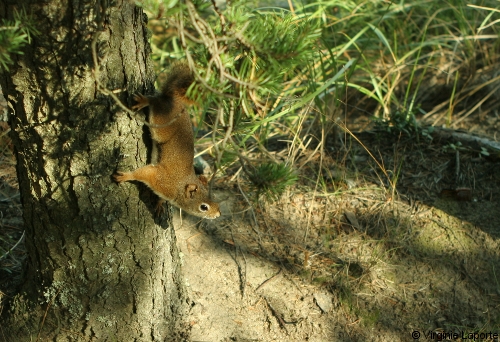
98,266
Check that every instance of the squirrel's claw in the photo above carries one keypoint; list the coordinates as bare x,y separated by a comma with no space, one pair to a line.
142,101
159,208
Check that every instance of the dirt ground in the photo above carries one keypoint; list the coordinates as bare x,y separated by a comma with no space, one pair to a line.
354,260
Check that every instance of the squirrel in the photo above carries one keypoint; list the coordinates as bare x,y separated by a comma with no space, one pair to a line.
173,178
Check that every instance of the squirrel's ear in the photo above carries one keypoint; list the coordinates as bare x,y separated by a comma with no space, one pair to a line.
203,180
190,190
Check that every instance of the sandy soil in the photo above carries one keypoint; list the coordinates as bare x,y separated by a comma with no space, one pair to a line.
354,261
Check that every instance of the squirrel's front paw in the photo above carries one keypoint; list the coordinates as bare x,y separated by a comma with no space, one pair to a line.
120,177
159,208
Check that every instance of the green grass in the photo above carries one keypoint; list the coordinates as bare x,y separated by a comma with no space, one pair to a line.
297,72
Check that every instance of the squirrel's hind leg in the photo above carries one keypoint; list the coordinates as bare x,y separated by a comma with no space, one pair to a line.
142,102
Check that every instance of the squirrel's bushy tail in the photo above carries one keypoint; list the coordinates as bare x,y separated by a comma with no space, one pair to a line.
179,78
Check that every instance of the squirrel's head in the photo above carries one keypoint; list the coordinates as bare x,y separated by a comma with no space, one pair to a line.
197,200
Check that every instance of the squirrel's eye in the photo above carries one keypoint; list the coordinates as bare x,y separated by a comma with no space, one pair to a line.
204,207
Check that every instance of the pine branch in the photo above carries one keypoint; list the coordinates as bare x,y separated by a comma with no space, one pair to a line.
14,35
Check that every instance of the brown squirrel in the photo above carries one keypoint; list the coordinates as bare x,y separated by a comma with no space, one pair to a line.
173,178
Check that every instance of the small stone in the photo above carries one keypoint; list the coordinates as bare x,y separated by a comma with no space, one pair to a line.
324,301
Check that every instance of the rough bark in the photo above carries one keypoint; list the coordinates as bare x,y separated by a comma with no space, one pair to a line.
98,266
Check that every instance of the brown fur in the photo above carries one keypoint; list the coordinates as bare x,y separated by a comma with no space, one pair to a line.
172,177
